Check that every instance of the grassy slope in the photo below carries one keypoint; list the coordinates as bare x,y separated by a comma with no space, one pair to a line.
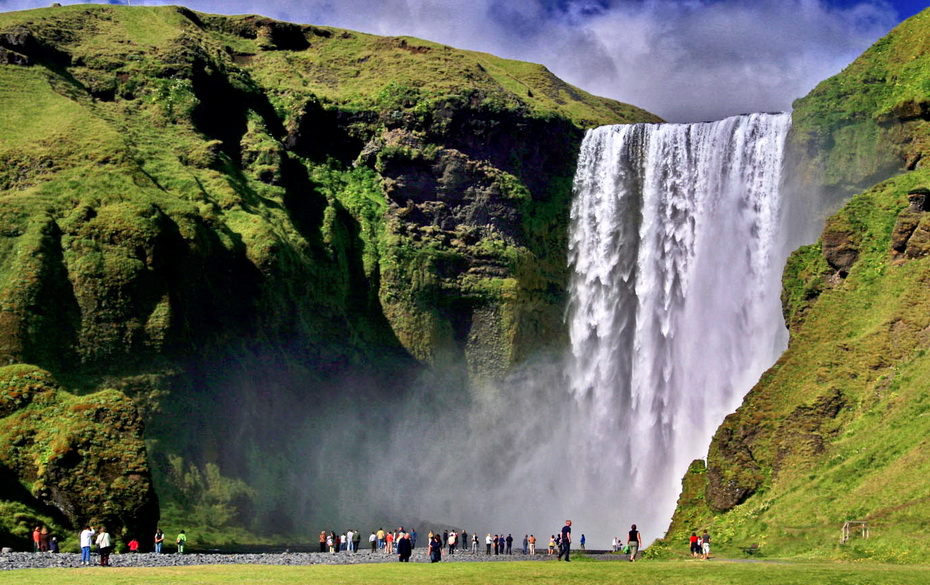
837,429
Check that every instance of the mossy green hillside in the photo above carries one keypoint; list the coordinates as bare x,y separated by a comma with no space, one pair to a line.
837,429
82,458
232,219
870,121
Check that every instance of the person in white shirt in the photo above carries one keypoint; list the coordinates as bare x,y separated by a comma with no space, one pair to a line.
86,536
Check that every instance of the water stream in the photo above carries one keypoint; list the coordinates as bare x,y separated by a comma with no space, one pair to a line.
676,252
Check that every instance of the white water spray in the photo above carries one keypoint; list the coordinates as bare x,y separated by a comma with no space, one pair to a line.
676,259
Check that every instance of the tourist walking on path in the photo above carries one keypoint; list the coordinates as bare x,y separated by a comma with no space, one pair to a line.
693,542
635,542
159,539
181,540
565,541
86,536
705,545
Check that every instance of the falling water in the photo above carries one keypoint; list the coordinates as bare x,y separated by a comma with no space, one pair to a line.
676,259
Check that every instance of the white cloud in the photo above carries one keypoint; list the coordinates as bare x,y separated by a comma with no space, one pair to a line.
685,60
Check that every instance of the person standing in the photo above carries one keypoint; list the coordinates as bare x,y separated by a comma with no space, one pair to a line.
103,547
705,545
474,543
487,541
356,539
635,542
404,548
159,539
462,541
435,549
181,541
350,540
565,541
43,539
86,536
373,541
526,543
36,535
581,542
532,544
451,542
509,541
413,538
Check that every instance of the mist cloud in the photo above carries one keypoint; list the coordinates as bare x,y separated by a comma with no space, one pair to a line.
686,60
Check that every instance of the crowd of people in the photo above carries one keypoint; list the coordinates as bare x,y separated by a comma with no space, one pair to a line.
400,542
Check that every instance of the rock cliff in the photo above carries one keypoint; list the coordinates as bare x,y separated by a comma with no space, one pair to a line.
239,223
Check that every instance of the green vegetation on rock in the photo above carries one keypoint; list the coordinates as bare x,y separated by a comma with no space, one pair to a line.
201,212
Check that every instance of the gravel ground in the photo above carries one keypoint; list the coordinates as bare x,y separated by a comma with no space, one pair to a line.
19,560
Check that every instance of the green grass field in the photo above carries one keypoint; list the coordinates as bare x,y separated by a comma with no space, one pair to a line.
587,573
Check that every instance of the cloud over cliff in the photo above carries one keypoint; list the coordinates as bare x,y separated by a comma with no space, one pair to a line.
686,60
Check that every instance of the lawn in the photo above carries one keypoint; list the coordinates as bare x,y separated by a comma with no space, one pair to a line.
587,573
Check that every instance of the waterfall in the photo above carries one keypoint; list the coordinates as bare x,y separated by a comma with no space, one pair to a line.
676,256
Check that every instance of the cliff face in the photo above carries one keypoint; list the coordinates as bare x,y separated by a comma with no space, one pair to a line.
234,220
835,430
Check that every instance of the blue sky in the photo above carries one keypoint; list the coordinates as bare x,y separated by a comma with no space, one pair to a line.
686,60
